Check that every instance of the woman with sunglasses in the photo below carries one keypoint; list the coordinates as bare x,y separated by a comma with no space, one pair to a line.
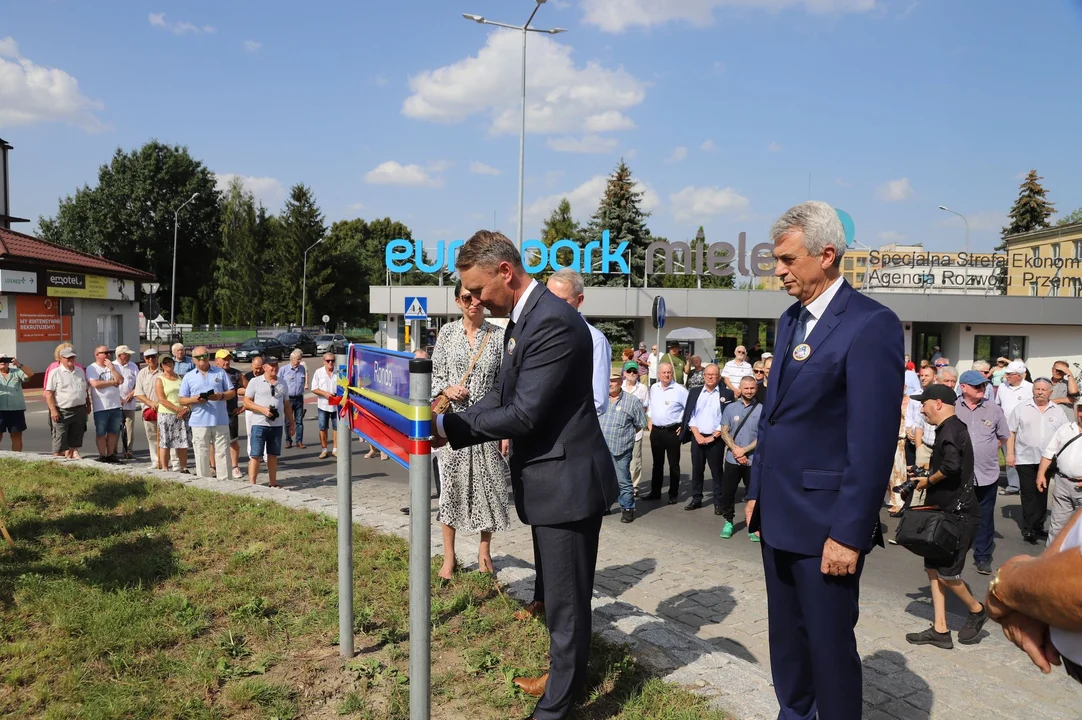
473,496
172,416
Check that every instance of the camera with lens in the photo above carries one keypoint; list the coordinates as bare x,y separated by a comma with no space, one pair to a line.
907,488
273,414
206,395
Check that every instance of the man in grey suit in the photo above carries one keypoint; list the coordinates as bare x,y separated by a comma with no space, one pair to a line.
561,473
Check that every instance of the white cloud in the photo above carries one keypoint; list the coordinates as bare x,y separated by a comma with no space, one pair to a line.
694,203
593,144
381,81
266,190
584,200
31,93
774,147
618,15
895,190
179,27
891,236
709,146
561,97
393,173
438,166
679,153
356,207
252,46
480,168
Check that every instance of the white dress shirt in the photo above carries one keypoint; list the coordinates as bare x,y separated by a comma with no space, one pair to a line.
602,368
819,305
1069,644
706,418
1033,430
667,403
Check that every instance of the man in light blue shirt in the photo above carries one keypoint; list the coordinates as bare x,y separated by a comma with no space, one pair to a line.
295,378
666,410
182,364
704,431
205,390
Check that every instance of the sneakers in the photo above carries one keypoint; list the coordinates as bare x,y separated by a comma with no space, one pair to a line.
323,455
985,568
754,537
931,637
970,632
1008,491
334,452
237,474
627,516
727,531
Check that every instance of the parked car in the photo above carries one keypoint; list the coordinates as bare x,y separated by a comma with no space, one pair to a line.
267,347
298,341
335,343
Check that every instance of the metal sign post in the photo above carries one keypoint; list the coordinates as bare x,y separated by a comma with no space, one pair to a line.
420,461
345,528
659,322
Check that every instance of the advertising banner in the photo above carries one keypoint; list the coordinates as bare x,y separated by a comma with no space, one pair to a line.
39,320
18,281
59,283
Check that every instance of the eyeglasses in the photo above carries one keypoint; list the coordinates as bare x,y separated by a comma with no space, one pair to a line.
104,352
205,356
941,364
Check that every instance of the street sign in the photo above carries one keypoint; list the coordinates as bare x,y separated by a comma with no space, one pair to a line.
658,314
416,308
150,288
326,318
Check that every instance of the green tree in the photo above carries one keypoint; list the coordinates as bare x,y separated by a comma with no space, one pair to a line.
237,275
620,213
1071,217
128,217
299,227
1031,210
561,225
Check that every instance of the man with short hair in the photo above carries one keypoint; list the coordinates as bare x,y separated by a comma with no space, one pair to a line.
632,372
256,371
105,381
988,431
985,369
701,426
128,372
68,396
205,391
223,359
1032,425
1014,391
294,378
918,448
739,432
1065,448
569,286
266,398
737,368
147,396
666,408
324,387
676,361
1064,388
621,420
182,364
651,365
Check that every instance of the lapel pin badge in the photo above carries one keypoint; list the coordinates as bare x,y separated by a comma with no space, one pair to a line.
801,352
510,346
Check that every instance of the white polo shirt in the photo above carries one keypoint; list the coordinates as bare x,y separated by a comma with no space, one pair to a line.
667,404
1070,461
1009,398
1069,644
1033,430
735,370
327,382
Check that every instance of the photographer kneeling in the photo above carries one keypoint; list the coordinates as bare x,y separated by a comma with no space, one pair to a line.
949,488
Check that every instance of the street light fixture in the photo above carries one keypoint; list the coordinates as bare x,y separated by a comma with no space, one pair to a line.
304,281
481,19
947,209
173,285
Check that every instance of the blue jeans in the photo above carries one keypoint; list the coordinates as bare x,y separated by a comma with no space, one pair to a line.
623,479
297,403
985,544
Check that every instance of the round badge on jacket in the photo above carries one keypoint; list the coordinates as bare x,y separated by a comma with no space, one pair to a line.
801,352
510,346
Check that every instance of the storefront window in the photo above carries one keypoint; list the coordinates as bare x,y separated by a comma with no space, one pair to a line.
990,347
109,330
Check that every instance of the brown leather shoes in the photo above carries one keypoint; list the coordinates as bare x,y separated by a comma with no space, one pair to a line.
534,609
534,687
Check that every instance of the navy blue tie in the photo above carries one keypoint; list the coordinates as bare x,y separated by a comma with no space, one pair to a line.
800,332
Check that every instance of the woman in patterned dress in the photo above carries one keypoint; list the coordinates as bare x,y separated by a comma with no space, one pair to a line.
899,473
473,496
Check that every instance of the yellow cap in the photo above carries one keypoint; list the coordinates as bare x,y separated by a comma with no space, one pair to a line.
223,353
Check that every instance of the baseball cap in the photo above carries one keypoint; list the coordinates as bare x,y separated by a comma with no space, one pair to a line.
68,353
1016,366
223,353
767,355
938,392
972,377
642,346
123,350
150,351
631,366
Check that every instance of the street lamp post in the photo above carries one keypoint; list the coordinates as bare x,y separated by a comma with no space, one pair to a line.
173,285
947,209
304,281
522,133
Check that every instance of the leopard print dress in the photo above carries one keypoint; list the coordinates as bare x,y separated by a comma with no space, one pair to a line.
473,493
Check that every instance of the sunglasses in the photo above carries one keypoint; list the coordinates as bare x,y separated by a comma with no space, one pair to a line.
329,361
466,298
941,364
205,356
105,352
759,372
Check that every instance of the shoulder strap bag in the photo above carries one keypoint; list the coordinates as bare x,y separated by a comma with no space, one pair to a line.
1053,466
933,533
443,403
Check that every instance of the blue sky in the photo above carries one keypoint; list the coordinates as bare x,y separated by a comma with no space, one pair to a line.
723,108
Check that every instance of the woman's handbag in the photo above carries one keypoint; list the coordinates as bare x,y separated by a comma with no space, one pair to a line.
150,414
930,532
442,403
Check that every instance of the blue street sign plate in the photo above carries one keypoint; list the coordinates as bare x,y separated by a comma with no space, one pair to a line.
416,308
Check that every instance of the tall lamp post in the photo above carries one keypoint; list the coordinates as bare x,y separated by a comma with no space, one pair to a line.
304,281
173,285
522,134
947,209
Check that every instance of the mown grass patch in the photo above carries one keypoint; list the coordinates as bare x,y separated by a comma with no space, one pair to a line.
134,598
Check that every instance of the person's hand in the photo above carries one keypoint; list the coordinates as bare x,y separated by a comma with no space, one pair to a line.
1010,459
457,393
649,426
996,608
838,559
1042,483
749,510
55,415
1032,637
677,429
922,483
437,441
505,447
738,453
745,460
292,427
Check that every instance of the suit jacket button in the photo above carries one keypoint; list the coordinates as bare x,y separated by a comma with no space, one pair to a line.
772,421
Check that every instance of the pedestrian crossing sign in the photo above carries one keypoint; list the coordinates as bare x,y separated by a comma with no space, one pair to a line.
416,308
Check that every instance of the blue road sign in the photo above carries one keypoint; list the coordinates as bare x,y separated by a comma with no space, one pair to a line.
416,308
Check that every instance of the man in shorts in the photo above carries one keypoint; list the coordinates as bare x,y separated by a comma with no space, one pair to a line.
324,387
266,398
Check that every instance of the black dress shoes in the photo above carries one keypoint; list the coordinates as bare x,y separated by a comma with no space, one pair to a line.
650,496
672,501
717,509
693,505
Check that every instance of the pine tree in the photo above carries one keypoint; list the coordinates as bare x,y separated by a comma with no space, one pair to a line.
299,228
620,213
234,274
1072,217
1031,210
561,225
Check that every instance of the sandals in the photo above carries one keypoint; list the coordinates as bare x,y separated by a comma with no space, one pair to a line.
485,566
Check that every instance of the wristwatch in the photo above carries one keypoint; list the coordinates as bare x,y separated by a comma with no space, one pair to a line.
992,586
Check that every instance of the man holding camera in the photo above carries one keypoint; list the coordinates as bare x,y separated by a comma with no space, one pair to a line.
265,397
205,390
949,487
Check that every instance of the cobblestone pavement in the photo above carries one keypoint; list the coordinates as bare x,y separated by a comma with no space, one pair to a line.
700,616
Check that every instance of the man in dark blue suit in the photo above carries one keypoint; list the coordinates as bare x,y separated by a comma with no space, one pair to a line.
561,471
826,445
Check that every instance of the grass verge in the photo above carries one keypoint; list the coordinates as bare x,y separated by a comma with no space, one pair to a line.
134,598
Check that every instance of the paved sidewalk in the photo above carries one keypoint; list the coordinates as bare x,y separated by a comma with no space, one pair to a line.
701,617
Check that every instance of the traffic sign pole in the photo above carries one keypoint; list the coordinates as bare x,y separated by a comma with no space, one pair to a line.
420,542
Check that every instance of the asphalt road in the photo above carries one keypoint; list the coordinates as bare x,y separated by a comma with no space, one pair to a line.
891,569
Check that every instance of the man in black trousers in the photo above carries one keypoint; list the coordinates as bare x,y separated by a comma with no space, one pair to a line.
701,426
666,410
561,471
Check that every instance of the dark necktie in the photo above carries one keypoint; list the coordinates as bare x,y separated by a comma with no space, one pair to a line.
800,332
507,333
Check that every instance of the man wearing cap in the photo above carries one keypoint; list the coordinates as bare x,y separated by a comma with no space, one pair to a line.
1032,424
128,372
949,486
68,396
205,390
148,398
936,354
222,359
1014,391
642,357
632,373
988,431
622,419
